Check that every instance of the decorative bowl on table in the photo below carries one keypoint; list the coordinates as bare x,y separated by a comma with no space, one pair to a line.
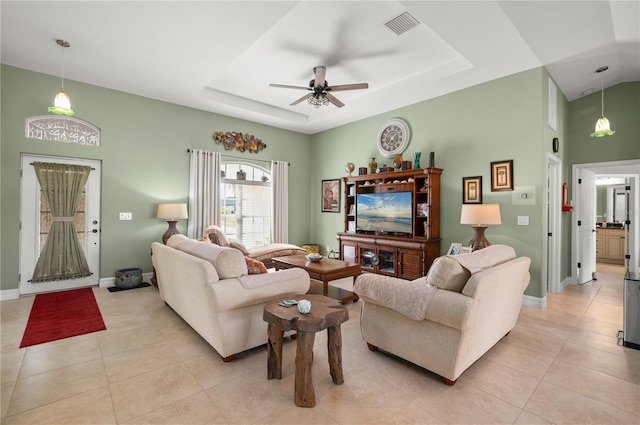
314,258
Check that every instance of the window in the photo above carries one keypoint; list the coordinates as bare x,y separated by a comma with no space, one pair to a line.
246,203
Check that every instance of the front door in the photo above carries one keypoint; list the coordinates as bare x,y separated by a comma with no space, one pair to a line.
33,225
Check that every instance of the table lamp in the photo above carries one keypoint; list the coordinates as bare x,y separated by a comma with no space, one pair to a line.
172,213
479,215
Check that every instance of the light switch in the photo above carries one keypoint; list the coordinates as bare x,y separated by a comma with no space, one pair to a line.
523,220
126,216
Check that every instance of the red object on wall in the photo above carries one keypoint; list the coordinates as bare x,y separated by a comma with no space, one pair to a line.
565,207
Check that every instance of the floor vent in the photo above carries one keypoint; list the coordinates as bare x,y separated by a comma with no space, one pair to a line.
402,23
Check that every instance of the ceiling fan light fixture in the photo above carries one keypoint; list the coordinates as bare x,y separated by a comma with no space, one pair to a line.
603,128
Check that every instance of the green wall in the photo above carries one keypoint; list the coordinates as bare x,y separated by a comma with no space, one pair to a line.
499,120
144,162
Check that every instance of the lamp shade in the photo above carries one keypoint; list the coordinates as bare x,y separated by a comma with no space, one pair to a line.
172,211
480,214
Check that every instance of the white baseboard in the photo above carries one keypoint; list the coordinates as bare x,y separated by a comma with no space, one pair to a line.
107,282
534,302
9,294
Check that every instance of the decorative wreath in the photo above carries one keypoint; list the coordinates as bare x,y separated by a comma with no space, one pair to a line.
242,142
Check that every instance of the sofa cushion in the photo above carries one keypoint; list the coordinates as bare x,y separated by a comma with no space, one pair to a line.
490,256
447,273
255,266
229,262
216,235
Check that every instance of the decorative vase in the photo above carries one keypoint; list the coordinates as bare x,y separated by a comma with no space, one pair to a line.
397,161
416,160
372,166
241,175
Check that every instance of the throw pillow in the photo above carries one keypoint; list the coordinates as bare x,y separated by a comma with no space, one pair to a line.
447,273
216,235
255,266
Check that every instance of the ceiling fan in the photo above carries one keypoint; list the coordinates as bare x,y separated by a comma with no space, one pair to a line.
321,89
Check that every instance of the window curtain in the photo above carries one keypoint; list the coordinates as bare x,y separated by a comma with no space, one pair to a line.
62,256
279,202
204,192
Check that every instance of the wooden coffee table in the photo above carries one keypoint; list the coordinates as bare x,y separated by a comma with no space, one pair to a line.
326,313
325,271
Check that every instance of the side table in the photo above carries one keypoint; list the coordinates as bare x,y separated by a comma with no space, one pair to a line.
326,313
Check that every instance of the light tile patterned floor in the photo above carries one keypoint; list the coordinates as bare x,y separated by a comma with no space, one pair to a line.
562,364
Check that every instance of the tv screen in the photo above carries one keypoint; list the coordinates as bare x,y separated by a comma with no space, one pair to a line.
385,212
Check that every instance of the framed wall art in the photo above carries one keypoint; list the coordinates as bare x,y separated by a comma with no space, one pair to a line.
502,175
472,190
331,195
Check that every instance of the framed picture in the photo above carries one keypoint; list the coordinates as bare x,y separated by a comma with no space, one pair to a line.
331,195
465,250
502,175
454,249
472,190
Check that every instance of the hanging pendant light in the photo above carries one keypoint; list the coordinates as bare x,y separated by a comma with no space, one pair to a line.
62,104
602,125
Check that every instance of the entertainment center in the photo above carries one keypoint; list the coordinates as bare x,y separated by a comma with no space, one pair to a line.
392,221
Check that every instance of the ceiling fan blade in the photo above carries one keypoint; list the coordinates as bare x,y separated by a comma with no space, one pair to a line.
343,87
321,73
284,86
334,100
303,98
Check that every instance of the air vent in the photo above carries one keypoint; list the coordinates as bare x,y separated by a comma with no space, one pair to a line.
402,23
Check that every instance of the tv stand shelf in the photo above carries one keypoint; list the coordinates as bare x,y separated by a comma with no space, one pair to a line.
406,254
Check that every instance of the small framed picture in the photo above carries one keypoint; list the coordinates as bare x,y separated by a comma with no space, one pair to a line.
454,249
465,250
422,209
331,195
502,175
472,190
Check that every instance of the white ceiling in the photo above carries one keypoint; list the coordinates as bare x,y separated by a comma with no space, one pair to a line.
221,56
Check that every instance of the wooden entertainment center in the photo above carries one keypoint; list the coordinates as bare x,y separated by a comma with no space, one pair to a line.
405,255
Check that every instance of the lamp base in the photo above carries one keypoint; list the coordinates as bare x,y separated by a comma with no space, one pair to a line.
479,241
172,230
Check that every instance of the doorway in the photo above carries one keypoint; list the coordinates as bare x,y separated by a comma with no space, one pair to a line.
554,165
33,223
629,169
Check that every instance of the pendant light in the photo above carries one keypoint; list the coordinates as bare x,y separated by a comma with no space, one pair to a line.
602,125
62,104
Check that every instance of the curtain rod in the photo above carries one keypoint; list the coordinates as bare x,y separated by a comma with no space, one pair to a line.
31,163
238,158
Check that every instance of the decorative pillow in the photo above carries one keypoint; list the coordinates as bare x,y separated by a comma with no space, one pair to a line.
447,273
255,266
239,246
216,235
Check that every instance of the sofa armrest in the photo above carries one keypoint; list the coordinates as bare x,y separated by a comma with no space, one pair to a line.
452,309
229,294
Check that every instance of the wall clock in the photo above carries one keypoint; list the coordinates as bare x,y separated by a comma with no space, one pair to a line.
393,137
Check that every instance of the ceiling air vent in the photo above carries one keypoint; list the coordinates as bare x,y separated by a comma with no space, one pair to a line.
402,23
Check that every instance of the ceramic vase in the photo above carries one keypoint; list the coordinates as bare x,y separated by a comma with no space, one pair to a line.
372,166
416,160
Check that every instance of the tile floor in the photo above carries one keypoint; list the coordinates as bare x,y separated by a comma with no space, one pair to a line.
562,364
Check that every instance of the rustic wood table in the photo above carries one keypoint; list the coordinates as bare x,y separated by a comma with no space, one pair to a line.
326,313
325,271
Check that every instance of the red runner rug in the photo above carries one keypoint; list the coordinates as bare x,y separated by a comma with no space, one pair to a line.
59,315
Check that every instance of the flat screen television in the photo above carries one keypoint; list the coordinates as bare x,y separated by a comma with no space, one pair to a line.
385,212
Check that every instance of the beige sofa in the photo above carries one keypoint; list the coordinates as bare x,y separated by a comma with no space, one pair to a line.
448,319
210,288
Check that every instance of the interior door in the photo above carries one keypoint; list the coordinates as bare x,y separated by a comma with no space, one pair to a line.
587,227
32,232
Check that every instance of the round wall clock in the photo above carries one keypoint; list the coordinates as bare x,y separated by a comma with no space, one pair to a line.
393,137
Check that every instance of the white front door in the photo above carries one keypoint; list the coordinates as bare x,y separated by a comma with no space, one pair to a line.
587,227
30,225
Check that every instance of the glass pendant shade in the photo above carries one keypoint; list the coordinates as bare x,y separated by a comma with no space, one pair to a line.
602,128
62,105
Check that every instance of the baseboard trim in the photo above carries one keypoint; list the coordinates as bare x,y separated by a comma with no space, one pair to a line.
9,294
535,302
107,282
